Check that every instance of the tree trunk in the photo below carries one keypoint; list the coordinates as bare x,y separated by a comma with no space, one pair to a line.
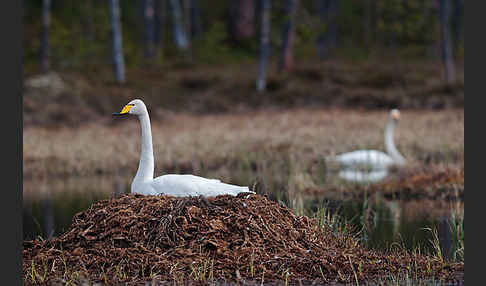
286,58
393,33
195,16
46,19
321,39
447,58
117,48
264,45
160,24
179,34
241,19
457,25
333,13
188,28
88,30
327,38
149,28
367,24
431,14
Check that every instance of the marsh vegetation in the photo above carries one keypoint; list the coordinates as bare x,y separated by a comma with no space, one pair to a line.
417,209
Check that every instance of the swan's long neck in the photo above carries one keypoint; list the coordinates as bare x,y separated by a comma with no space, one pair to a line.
146,164
390,143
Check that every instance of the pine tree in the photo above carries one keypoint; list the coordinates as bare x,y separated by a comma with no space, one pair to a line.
180,37
447,58
46,18
264,45
286,58
149,28
117,48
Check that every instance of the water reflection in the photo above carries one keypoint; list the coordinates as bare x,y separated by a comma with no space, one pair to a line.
48,217
382,223
37,189
359,176
49,205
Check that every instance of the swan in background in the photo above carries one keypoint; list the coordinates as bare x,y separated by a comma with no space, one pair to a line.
174,185
373,158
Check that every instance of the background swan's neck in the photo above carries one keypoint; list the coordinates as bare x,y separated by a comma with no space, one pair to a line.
390,143
146,164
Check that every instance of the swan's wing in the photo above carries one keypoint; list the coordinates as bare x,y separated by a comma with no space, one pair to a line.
372,158
190,185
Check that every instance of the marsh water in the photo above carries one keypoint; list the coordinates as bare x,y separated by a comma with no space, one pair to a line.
49,206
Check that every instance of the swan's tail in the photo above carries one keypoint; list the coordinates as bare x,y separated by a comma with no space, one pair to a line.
235,190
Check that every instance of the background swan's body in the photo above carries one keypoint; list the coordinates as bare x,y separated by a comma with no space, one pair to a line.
373,158
172,184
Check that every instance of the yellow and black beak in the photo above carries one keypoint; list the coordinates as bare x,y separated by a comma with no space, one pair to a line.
124,111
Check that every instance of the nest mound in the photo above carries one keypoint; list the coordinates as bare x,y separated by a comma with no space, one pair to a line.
135,238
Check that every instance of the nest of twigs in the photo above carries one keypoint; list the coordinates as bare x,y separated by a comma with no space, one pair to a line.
135,238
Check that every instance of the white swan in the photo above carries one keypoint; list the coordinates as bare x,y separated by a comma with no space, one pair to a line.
175,185
373,158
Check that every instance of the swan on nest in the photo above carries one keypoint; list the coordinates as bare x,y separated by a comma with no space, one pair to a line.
171,184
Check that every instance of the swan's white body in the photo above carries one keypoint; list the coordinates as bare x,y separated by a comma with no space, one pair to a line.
373,158
174,185
186,185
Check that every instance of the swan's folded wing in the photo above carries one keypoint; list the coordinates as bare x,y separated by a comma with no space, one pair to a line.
190,185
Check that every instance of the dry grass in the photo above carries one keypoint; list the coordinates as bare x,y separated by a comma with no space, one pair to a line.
270,145
183,138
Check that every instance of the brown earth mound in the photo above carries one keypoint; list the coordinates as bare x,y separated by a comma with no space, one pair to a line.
249,238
